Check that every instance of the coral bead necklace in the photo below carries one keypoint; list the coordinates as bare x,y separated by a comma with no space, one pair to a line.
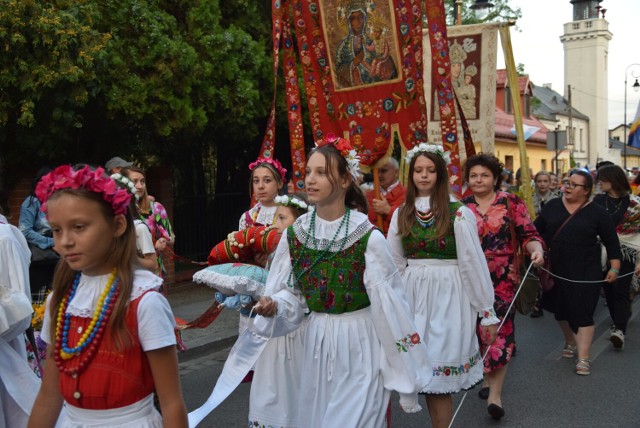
81,355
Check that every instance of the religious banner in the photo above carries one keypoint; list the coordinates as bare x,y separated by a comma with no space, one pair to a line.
473,57
362,66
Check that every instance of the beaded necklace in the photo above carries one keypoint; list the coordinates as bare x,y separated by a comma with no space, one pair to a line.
425,219
321,256
92,336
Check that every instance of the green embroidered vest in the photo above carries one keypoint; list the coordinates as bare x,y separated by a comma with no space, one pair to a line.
334,286
421,243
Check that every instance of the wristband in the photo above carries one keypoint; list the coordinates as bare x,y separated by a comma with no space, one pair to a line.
616,271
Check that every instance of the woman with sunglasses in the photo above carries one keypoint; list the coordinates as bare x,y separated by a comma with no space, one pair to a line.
573,228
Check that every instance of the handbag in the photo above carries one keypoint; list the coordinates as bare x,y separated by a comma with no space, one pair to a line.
547,281
40,256
526,297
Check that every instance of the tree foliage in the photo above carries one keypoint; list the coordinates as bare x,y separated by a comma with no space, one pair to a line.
501,11
169,82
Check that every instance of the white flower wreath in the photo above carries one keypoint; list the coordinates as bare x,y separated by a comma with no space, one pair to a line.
124,180
428,148
287,201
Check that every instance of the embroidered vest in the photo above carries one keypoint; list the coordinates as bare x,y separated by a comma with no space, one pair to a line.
334,286
422,243
113,379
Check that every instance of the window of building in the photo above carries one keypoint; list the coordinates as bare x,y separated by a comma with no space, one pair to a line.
588,24
543,165
507,99
527,105
576,26
508,162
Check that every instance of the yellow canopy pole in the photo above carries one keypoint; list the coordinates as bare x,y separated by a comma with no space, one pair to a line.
512,75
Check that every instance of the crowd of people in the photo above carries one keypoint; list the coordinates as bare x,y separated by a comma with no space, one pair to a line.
405,289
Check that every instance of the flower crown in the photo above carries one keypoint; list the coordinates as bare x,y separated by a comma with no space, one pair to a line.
346,151
64,177
273,162
428,148
127,183
291,201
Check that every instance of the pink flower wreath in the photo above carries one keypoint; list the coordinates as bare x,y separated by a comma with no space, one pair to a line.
273,162
64,177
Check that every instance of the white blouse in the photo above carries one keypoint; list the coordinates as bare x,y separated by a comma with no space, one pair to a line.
472,263
155,319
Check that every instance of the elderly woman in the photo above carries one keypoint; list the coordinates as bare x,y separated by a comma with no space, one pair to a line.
503,225
573,229
624,209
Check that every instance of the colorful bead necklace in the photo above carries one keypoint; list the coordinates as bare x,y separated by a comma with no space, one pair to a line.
321,256
425,219
94,332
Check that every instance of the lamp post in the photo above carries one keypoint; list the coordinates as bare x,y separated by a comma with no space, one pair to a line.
636,86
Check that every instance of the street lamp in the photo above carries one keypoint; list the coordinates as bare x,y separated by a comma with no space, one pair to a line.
636,86
477,6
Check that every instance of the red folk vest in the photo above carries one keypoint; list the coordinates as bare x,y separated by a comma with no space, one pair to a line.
113,379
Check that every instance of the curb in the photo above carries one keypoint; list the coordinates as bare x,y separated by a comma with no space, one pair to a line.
207,348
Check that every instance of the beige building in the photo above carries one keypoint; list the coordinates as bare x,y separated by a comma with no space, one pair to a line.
586,47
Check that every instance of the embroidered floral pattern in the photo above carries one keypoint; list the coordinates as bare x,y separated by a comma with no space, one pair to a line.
408,342
333,286
422,244
457,370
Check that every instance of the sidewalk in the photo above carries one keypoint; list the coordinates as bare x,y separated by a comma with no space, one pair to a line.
188,301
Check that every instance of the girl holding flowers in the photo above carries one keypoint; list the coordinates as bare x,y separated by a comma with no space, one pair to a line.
110,333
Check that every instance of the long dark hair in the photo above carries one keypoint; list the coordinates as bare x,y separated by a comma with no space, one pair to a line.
439,199
337,167
616,176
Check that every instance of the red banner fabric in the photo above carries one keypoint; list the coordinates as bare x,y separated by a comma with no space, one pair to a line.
441,72
362,66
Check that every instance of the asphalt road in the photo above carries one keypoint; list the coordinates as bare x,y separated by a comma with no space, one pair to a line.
541,389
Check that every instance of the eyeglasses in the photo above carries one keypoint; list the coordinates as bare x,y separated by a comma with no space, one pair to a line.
572,185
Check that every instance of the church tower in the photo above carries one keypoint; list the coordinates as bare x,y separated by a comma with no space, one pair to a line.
586,47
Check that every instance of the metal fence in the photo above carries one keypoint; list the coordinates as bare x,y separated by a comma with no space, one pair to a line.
200,222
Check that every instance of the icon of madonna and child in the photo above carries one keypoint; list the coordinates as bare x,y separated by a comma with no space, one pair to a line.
366,50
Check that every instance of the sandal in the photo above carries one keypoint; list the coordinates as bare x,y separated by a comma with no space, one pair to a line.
569,351
583,367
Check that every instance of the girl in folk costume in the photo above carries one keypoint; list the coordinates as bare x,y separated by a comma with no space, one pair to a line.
267,179
359,340
434,243
275,389
152,213
110,333
147,258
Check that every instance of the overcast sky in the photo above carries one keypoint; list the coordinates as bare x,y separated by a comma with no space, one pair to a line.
537,45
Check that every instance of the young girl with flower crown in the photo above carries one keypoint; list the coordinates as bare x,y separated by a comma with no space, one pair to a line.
359,340
434,243
266,181
273,400
110,333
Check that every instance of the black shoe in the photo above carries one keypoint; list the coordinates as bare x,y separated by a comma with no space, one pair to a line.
536,313
495,411
484,393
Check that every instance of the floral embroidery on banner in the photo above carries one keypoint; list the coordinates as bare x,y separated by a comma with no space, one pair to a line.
408,342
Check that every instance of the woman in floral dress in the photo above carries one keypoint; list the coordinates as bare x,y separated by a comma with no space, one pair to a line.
496,211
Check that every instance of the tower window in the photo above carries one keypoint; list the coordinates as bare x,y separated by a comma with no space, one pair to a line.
576,26
588,24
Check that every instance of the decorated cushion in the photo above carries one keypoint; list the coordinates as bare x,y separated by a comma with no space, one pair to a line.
234,278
